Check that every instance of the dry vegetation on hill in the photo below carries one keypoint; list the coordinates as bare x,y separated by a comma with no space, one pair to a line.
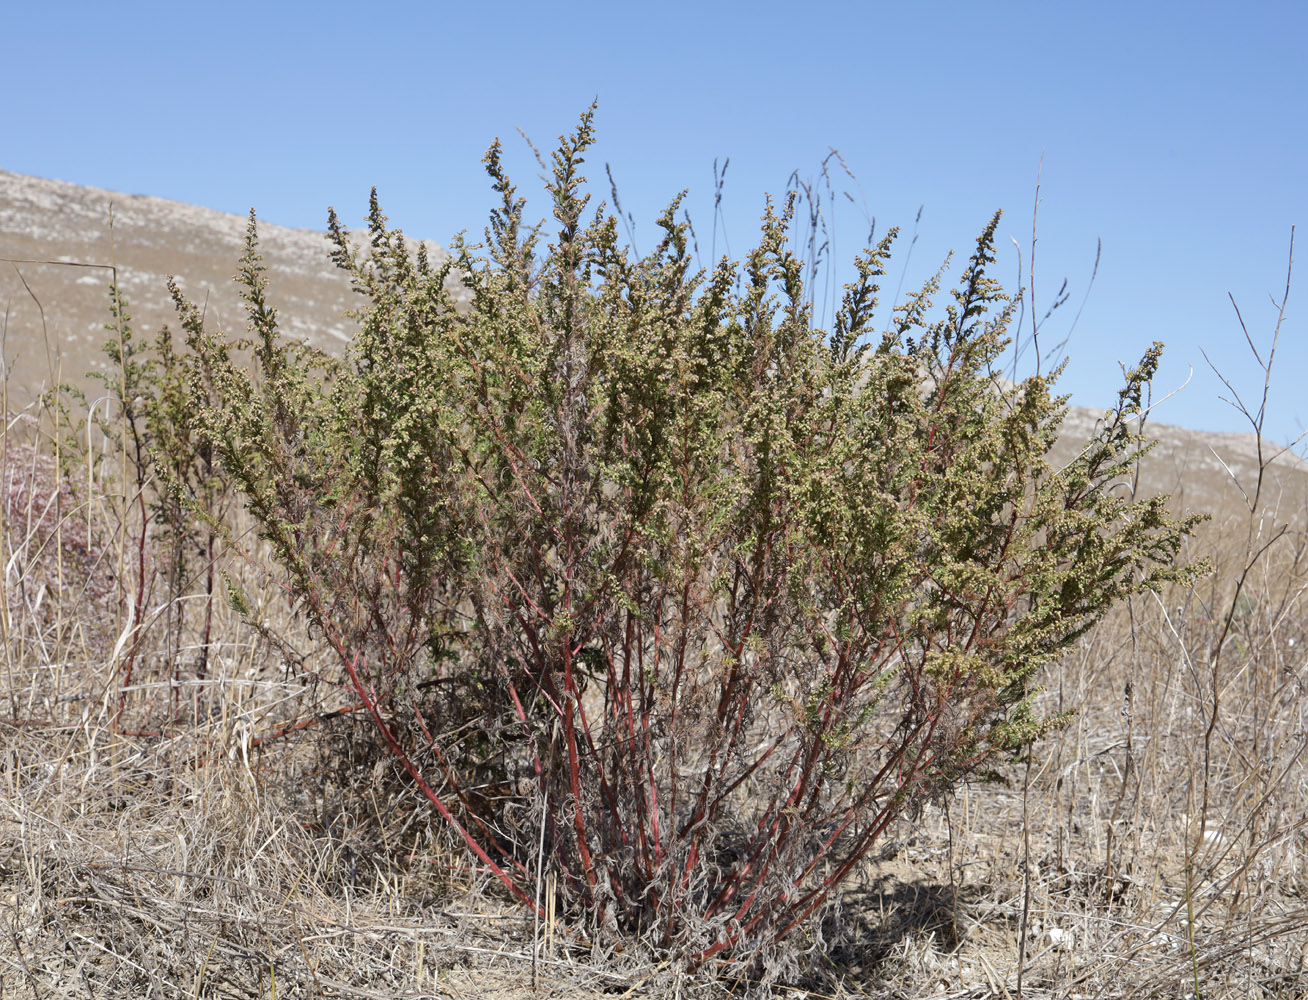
185,810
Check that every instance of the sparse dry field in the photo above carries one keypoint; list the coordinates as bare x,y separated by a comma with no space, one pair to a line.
227,835
186,811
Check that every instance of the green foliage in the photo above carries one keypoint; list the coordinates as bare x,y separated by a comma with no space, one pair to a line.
720,594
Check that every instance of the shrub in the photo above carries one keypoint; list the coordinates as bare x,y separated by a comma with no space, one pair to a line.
644,579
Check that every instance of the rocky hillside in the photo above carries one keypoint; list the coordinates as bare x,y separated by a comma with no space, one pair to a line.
54,313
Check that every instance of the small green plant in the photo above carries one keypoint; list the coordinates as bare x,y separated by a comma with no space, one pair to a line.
645,580
139,443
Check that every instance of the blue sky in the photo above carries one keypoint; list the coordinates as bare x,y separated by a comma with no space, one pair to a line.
1176,133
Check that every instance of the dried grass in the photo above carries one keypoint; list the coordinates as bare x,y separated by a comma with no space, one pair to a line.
239,835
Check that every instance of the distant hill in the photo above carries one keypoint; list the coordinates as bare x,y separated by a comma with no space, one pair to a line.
150,239
47,220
